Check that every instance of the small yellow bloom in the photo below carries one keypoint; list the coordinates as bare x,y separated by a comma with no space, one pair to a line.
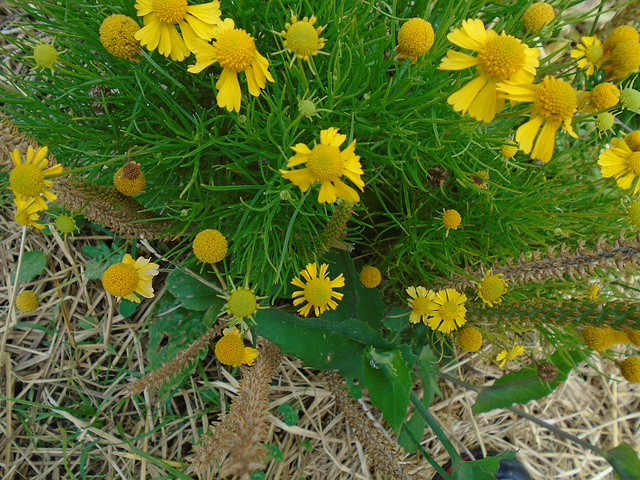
630,369
537,16
415,38
301,38
370,277
447,311
451,220
317,291
125,279
117,35
601,339
470,339
589,54
129,179
621,163
506,356
508,150
210,246
326,164
27,301
604,95
618,35
235,50
420,301
492,288
27,212
29,179
230,350
624,59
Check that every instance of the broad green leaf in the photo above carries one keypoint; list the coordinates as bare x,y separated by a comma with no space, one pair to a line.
275,452
525,384
388,379
397,319
127,307
33,264
624,461
289,414
416,426
482,469
98,251
318,343
192,293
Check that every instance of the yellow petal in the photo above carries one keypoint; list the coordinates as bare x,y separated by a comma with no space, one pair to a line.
300,178
207,12
461,100
327,193
527,132
546,142
457,61
229,94
483,107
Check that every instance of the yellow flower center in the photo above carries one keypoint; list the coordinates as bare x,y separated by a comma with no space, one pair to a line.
210,246
470,339
556,99
492,288
594,53
633,140
630,369
230,350
415,37
117,36
633,213
27,301
451,219
502,56
235,49
605,95
325,163
318,292
242,303
120,279
302,39
420,306
45,55
634,162
26,180
449,311
169,11
370,276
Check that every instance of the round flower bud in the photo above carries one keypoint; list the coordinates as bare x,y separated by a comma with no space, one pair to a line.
469,339
508,151
242,303
630,98
537,16
27,301
415,38
604,95
307,108
117,35
370,277
547,371
65,224
129,180
210,246
45,55
630,369
451,219
605,121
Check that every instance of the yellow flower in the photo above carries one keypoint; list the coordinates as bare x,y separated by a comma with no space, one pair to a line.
594,292
492,288
470,339
630,369
301,38
160,18
622,164
415,38
242,303
554,104
27,212
318,291
210,246
27,301
117,35
230,350
451,220
29,179
125,279
45,55
370,277
500,58
623,33
624,59
447,311
506,356
129,180
589,52
326,164
632,140
604,95
537,16
235,51
508,150
420,301
601,339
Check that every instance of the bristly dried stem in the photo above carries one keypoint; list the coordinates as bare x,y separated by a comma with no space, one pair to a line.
381,451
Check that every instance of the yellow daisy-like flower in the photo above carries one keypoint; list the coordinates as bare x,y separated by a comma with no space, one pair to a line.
415,38
117,35
554,104
160,18
125,279
29,179
27,212
326,164
230,350
420,300
317,291
589,54
506,356
492,288
621,163
235,50
447,311
500,58
301,37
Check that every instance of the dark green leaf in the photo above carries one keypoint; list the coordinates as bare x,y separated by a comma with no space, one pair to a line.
307,445
624,461
482,469
289,414
416,426
127,307
428,370
95,268
275,452
192,293
389,382
397,319
98,252
33,264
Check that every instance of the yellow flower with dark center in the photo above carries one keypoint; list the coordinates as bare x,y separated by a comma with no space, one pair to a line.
27,301
129,179
447,311
27,212
508,150
242,303
235,50
621,163
506,356
160,18
125,279
470,339
317,291
537,16
415,38
45,55
117,35
230,350
370,276
624,59
420,301
601,339
210,246
604,95
326,164
301,37
623,33
589,54
630,369
451,219
29,179
492,288
633,213
500,58
554,105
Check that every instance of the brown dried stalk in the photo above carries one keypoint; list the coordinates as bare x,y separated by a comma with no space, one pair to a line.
160,375
235,443
622,254
381,451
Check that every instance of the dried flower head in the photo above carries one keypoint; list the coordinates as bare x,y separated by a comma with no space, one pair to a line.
129,179
210,246
317,291
547,371
125,279
117,35
415,38
27,301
